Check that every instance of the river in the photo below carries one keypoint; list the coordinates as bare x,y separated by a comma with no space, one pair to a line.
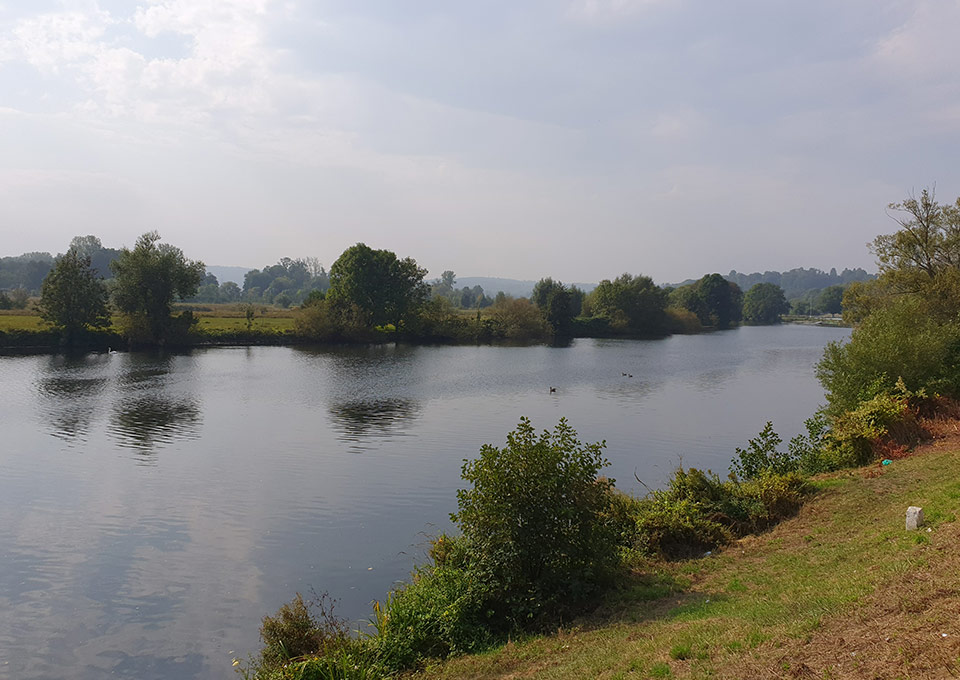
153,507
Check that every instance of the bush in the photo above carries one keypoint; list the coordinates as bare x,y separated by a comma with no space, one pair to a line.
534,523
682,320
440,613
900,341
761,455
698,511
294,631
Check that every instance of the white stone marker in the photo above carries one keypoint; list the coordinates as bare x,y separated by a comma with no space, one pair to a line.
914,518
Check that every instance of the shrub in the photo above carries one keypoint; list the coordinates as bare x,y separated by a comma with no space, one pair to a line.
294,631
682,320
900,341
534,522
699,512
761,455
441,612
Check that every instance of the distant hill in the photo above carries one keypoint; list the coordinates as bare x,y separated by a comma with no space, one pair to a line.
515,287
225,274
796,282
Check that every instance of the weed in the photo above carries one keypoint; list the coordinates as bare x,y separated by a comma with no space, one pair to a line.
660,670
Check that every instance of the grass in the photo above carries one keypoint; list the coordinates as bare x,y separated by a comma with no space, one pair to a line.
842,590
220,318
17,320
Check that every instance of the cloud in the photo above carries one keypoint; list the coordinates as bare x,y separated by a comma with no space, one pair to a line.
602,11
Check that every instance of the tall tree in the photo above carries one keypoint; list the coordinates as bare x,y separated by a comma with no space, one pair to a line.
764,303
556,303
383,287
148,280
633,302
73,297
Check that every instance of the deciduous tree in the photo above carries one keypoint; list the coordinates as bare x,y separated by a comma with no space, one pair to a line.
73,297
148,280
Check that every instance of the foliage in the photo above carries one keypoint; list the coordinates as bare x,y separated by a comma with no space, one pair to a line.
73,297
798,282
441,612
764,304
331,319
900,341
289,281
307,641
761,455
382,287
810,449
25,271
926,246
831,300
518,319
682,320
887,416
698,511
148,280
631,303
718,303
533,522
558,304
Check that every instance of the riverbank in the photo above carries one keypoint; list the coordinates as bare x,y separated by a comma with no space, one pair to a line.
841,590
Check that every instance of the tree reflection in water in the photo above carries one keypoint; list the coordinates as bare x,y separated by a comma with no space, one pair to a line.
356,421
70,390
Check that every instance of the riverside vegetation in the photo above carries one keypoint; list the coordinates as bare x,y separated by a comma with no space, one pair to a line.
155,296
544,538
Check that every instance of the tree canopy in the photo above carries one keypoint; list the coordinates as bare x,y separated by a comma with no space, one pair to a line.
148,280
384,288
631,302
73,297
764,303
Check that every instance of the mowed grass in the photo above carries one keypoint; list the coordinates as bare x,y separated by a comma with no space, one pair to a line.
834,592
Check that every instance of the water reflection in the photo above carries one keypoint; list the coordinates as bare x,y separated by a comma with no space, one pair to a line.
358,420
630,390
147,422
70,390
148,411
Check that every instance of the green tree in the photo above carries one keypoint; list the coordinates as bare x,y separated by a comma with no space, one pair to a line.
631,302
831,299
383,288
148,280
723,300
764,303
533,520
73,297
557,304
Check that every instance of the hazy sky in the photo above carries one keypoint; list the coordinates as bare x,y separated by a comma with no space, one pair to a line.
572,138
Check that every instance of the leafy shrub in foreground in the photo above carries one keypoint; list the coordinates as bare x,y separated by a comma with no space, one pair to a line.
534,522
441,612
301,645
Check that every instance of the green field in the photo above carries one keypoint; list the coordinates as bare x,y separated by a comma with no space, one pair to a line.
212,321
21,322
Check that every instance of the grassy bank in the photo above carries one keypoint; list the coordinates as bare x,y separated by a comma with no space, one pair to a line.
840,591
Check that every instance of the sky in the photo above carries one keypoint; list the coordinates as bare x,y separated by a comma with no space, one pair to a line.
577,139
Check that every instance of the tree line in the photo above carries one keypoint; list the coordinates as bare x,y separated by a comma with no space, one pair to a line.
372,294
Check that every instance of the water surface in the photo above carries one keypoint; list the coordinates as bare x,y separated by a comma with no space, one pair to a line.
153,507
